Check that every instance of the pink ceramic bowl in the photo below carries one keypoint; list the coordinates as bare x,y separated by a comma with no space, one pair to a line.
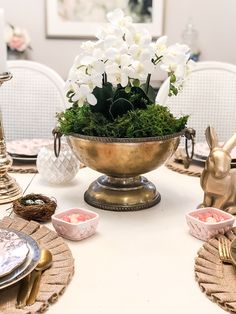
78,230
205,230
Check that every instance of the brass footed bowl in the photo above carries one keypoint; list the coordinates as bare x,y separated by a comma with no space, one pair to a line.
123,160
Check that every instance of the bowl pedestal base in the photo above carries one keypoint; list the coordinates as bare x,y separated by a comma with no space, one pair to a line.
122,194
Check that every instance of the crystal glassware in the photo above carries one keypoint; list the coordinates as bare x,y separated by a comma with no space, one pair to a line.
57,170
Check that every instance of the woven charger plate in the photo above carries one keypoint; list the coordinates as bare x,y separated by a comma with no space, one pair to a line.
54,280
193,170
27,167
216,280
23,168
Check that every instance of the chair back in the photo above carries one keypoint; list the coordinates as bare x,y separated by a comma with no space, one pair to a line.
208,96
30,100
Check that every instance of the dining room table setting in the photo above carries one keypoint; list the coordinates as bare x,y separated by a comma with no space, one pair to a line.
111,213
92,252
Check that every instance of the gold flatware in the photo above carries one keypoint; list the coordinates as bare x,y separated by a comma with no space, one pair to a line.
23,293
45,262
224,250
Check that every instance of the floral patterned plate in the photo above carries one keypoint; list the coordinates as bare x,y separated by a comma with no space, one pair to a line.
201,151
26,148
28,263
14,251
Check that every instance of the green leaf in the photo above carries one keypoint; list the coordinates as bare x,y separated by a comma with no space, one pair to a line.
173,90
104,99
172,78
136,83
120,93
120,107
151,92
138,98
127,89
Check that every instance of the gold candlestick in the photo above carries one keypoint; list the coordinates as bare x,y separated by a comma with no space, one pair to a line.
9,188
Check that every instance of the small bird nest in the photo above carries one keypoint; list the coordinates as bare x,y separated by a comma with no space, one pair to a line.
35,207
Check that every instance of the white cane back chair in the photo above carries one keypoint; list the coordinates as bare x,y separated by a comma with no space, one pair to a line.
30,100
208,96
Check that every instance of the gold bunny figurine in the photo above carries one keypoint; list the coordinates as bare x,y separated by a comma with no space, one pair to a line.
217,180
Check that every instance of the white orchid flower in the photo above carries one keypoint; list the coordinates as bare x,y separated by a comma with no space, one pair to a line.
110,40
111,53
139,70
121,54
107,30
83,94
140,53
94,79
98,54
117,18
117,75
88,46
160,46
139,37
175,57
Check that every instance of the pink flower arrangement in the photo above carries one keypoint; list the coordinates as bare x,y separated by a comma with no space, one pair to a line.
17,39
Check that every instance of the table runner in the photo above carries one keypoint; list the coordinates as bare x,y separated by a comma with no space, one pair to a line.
54,280
216,280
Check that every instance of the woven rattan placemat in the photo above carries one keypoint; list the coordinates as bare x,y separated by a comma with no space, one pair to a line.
23,166
216,280
194,170
54,280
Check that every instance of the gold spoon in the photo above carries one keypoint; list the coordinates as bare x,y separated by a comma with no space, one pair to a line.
45,262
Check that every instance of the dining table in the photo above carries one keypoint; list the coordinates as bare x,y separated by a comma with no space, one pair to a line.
137,262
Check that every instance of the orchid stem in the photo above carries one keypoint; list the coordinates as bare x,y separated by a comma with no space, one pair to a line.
148,82
104,78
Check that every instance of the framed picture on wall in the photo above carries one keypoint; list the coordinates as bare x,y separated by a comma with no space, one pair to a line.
81,18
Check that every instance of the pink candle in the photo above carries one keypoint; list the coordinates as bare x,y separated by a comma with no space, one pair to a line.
3,48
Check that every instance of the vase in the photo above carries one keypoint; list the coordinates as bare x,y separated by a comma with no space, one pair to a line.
123,160
57,170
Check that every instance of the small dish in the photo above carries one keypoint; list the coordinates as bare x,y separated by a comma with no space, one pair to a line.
75,230
217,222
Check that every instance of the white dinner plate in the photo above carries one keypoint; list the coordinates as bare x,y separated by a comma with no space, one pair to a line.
28,264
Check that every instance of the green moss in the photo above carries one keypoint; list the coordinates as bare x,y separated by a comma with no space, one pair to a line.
154,120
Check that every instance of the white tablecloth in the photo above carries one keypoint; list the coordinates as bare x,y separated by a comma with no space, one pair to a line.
138,262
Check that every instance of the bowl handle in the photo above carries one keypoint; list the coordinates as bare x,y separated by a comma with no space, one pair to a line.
189,134
57,141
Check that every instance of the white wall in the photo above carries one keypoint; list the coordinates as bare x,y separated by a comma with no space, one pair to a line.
214,19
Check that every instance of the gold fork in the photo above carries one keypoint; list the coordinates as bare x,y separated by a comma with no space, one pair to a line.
224,250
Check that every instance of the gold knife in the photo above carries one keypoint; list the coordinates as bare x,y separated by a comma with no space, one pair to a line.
44,263
35,288
24,291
